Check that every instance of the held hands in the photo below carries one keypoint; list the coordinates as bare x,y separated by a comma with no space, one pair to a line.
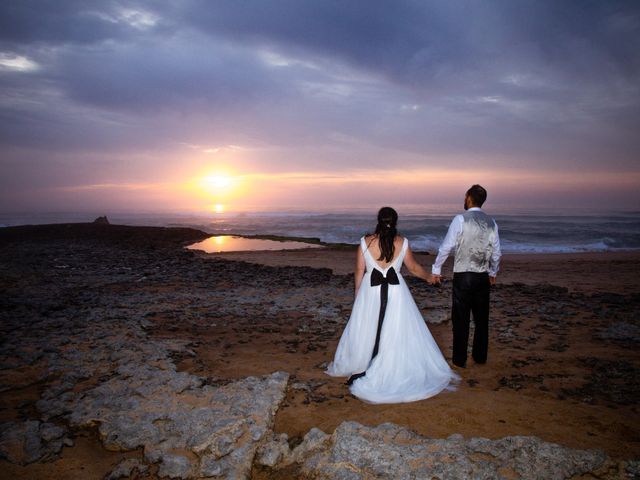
492,280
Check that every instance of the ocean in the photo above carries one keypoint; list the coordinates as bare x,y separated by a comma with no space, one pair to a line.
528,232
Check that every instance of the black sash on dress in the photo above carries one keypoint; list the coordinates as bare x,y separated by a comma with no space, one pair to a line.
378,279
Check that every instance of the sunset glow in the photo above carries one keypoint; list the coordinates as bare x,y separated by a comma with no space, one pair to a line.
338,190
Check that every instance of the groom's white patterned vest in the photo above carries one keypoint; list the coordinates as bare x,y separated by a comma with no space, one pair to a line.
475,244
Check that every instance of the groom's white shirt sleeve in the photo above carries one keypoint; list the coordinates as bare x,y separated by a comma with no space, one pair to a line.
448,244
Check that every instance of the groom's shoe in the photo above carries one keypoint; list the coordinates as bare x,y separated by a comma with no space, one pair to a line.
459,365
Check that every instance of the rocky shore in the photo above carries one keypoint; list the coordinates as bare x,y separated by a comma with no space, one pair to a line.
124,355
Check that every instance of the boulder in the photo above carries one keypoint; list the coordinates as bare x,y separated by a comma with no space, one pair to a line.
102,220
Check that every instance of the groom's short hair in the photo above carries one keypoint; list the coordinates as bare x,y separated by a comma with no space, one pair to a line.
478,195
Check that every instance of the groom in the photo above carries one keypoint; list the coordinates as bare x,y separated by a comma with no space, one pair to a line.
473,239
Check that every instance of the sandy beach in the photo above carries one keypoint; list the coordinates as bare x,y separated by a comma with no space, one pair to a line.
563,356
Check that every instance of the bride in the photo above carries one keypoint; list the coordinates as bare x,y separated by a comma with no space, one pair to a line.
386,349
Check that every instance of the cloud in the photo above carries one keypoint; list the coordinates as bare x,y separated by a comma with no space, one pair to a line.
18,63
175,75
83,22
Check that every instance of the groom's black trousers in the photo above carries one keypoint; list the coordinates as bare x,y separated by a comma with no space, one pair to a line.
470,295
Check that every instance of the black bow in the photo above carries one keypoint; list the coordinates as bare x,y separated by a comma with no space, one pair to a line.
378,279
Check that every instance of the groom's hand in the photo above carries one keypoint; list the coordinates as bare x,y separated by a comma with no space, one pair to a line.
435,279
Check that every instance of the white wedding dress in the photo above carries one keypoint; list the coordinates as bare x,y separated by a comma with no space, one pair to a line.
409,365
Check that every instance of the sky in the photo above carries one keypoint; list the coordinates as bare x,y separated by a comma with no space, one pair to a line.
196,105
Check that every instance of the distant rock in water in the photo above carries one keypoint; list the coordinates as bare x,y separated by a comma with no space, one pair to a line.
102,220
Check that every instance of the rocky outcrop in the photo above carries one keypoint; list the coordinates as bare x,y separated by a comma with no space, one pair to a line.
76,316
98,368
190,431
388,451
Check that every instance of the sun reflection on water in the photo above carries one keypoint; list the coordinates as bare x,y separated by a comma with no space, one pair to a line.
230,243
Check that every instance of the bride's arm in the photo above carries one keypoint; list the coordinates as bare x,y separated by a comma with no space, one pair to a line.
360,267
414,267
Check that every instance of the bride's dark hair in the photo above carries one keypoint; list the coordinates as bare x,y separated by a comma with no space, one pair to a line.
386,231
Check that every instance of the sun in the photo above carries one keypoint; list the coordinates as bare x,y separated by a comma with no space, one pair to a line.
217,182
